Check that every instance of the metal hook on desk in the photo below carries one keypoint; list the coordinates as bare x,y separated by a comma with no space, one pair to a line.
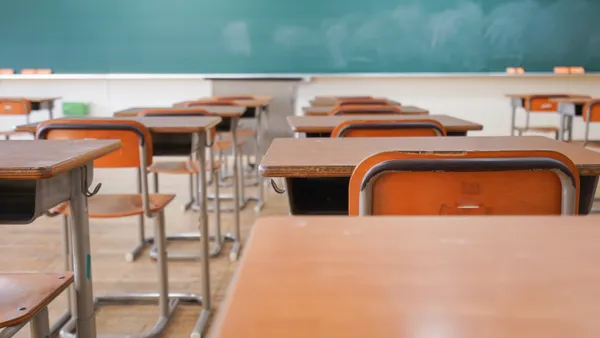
276,188
86,192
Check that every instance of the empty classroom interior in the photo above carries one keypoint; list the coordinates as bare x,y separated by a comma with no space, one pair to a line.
313,169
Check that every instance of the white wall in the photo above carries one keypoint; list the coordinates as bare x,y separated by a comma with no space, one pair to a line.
478,99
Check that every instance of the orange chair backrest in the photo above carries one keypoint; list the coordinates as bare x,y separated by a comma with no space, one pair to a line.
593,106
366,110
515,70
376,102
133,135
389,128
9,106
7,71
165,112
464,183
210,102
28,71
542,103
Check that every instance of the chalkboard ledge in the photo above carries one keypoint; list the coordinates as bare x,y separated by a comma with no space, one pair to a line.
296,77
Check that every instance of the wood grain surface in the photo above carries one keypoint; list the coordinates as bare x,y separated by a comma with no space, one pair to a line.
353,277
174,125
331,100
217,110
324,110
24,294
46,158
337,157
326,124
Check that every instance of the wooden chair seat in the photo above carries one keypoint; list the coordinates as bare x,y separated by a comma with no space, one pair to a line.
222,145
24,294
245,132
542,129
113,206
181,167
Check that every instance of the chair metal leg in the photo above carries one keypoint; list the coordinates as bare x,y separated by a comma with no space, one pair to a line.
40,325
143,242
167,302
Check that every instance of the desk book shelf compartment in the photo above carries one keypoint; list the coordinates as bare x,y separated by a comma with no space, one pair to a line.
22,201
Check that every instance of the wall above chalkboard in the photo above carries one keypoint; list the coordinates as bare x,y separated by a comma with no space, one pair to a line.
299,37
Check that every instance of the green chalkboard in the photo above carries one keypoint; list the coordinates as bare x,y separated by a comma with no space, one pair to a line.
300,36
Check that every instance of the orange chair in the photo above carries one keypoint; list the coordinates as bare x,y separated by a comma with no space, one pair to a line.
190,167
562,70
465,183
7,71
591,113
366,110
389,128
540,104
15,106
136,152
354,102
515,70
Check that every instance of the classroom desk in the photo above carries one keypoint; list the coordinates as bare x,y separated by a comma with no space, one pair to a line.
332,100
518,101
217,110
568,108
317,170
416,277
168,126
324,110
35,176
322,126
40,103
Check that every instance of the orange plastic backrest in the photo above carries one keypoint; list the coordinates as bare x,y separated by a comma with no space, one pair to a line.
28,71
346,102
436,192
594,108
110,129
15,106
161,112
389,128
7,71
542,103
43,71
366,110
561,70
210,102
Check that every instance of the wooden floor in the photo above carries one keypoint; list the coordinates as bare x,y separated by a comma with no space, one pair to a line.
38,247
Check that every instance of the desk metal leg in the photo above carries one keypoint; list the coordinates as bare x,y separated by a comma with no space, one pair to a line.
82,259
260,199
513,119
204,253
235,237
570,127
561,126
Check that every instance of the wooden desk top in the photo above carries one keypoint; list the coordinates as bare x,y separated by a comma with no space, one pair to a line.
415,277
550,95
331,100
337,157
575,99
241,103
224,111
32,160
324,110
326,124
35,99
174,125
